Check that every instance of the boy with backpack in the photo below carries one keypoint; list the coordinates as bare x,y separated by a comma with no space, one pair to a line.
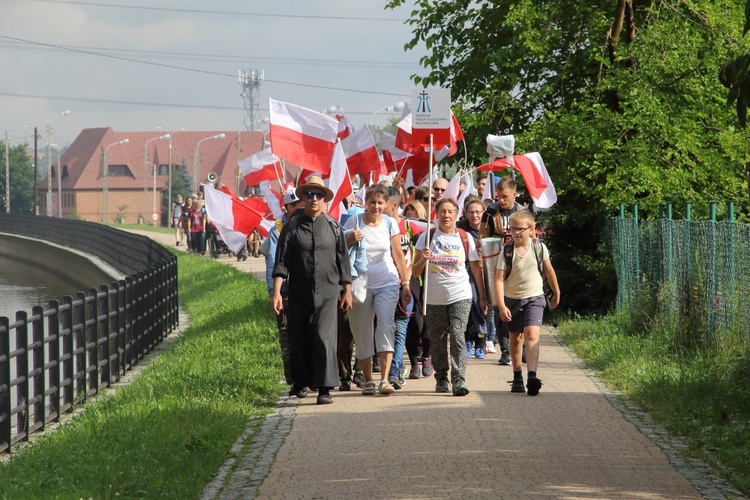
519,285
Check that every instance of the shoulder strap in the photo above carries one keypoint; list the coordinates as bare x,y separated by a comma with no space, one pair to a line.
464,240
537,246
334,225
508,256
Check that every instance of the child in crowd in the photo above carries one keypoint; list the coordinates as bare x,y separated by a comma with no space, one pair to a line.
520,295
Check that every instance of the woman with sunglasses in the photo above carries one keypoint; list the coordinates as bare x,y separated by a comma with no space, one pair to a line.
386,268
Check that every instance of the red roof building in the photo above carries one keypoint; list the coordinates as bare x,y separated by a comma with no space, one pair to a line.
133,192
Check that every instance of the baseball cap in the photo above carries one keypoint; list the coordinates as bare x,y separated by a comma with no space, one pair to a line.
290,197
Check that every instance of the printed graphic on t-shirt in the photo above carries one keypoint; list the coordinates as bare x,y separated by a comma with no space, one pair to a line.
445,258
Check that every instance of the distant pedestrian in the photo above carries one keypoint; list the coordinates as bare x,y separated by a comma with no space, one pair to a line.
520,296
179,234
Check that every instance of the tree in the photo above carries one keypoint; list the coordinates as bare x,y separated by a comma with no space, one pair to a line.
620,99
21,179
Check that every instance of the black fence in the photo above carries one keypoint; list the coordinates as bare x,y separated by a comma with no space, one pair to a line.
60,355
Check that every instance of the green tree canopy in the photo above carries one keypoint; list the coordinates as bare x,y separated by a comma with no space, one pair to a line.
620,98
21,179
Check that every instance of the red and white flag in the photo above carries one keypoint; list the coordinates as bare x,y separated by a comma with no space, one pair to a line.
361,152
456,134
274,200
535,176
345,128
302,136
340,182
234,220
262,166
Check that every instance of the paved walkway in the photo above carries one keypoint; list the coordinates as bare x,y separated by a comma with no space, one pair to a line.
574,440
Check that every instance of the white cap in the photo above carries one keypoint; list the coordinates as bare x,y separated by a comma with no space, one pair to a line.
290,197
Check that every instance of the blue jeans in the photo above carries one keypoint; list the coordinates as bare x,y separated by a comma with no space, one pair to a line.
400,342
491,311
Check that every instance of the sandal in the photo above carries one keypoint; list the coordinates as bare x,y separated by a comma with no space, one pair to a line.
369,389
385,387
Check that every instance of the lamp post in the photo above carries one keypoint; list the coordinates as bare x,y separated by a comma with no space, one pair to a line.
399,106
49,159
7,170
105,162
197,158
169,181
145,171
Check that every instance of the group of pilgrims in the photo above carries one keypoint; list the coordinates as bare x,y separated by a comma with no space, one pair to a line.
385,285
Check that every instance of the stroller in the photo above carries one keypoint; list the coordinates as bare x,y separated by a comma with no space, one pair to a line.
216,244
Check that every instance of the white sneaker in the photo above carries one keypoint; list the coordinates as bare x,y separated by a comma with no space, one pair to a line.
490,348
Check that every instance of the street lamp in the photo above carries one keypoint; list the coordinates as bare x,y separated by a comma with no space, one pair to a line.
399,106
169,182
7,170
49,159
105,202
145,171
197,158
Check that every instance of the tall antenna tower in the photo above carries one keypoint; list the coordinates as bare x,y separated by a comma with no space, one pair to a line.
250,81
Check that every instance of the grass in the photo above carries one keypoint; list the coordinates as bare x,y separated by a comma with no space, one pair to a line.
141,227
168,432
701,393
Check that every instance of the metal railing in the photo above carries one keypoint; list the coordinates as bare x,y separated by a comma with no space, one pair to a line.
58,357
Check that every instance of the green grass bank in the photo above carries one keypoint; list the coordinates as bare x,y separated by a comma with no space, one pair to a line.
166,434
700,392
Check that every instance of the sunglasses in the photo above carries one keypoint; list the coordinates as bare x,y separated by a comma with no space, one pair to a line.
314,194
439,190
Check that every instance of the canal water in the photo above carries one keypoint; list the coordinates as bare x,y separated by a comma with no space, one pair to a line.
23,286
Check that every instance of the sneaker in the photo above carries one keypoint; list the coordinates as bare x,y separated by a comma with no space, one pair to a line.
385,387
427,370
461,391
376,365
442,385
534,384
415,372
490,347
516,385
345,385
479,354
359,378
402,375
394,382
504,358
469,349
324,399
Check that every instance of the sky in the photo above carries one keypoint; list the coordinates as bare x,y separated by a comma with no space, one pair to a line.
137,65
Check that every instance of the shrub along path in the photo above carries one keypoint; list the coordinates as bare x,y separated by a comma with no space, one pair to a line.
574,440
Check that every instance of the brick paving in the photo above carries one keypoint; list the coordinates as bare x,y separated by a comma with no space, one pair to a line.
575,440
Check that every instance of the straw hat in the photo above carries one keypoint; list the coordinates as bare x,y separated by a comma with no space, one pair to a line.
314,182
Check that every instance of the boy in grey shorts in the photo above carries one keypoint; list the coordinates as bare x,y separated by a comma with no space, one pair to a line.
521,301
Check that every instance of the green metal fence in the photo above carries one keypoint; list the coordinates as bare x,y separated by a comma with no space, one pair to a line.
694,274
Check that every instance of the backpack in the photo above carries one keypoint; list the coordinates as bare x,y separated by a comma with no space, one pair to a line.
536,246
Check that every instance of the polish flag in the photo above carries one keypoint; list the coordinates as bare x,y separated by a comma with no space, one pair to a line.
345,127
361,152
535,177
403,134
340,182
302,136
234,220
262,166
274,201
392,156
456,135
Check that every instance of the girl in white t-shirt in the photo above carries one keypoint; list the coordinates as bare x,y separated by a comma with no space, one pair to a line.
448,294
387,278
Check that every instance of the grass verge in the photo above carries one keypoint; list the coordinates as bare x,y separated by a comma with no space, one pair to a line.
167,433
702,393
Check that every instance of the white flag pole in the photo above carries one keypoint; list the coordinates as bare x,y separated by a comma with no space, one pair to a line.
427,236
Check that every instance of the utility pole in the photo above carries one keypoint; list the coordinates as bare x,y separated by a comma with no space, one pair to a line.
36,169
